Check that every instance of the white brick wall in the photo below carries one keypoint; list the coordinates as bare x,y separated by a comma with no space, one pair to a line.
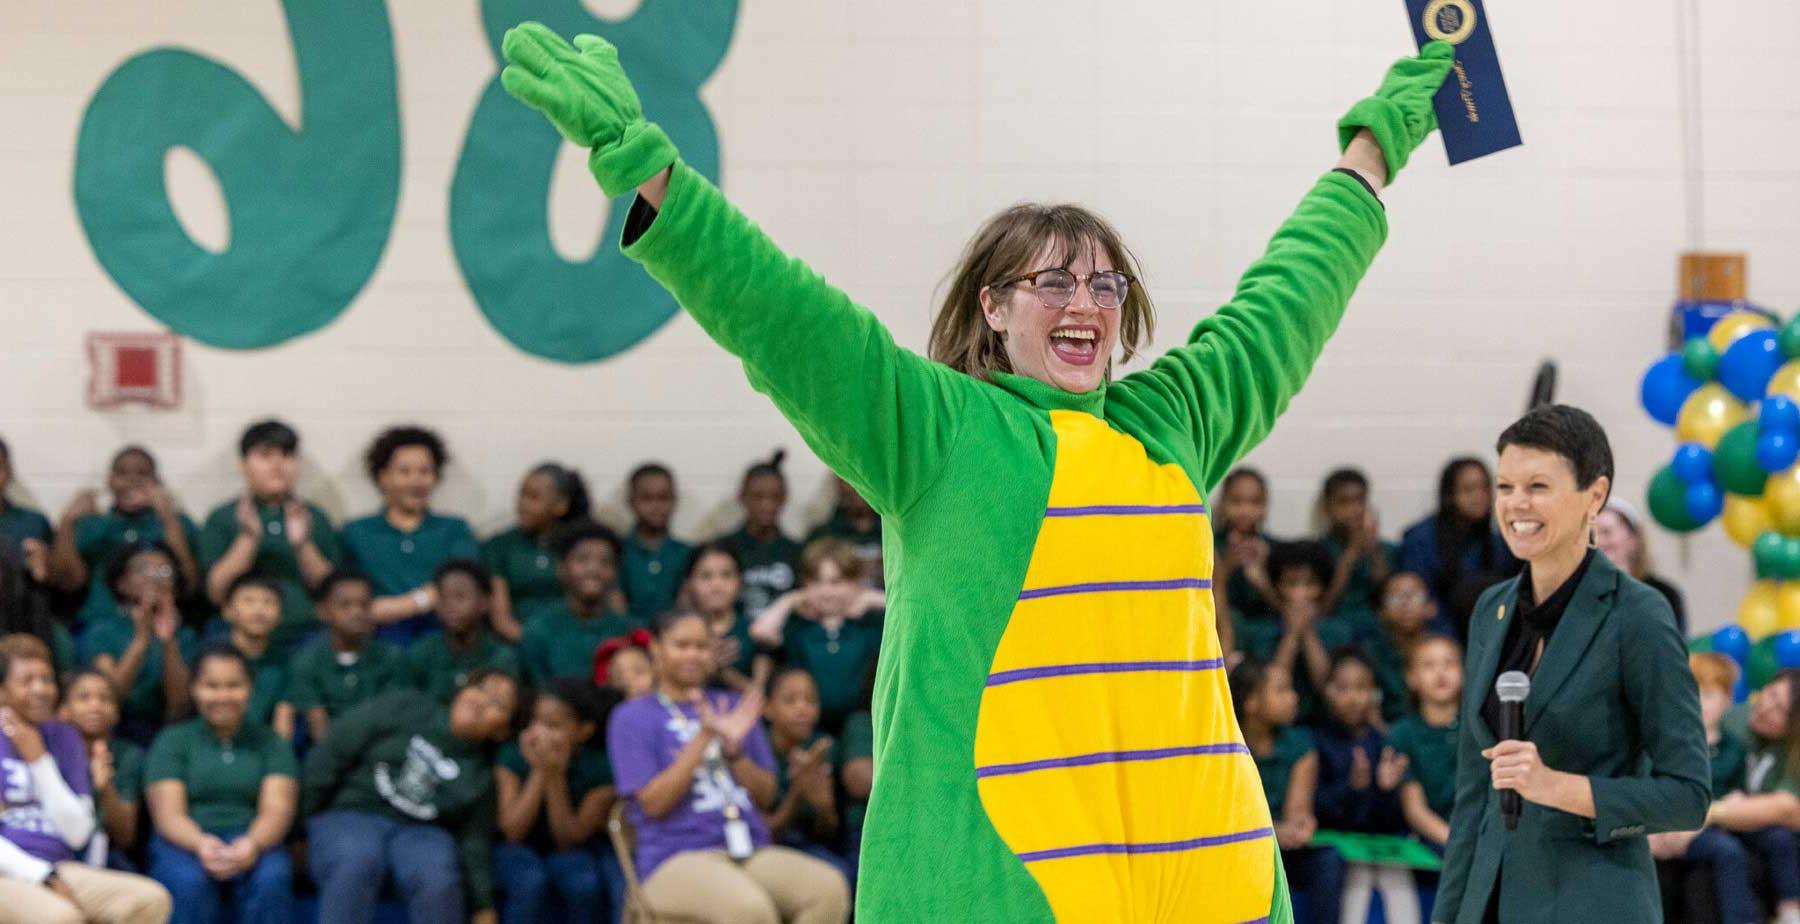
870,138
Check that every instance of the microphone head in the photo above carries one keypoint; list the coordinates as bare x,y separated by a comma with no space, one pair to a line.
1512,687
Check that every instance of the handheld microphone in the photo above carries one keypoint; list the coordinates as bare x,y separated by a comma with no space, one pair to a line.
1512,687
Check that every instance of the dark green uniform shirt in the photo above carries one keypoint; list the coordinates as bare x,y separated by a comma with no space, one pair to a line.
528,566
588,770
838,659
128,770
1431,760
401,562
276,559
561,644
111,635
394,756
439,672
652,577
223,776
1291,744
22,523
320,676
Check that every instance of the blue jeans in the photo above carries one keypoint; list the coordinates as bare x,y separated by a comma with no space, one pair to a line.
1780,848
527,878
353,853
1730,864
1319,871
264,895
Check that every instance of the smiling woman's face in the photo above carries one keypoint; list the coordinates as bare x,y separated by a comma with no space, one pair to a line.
1071,347
1540,508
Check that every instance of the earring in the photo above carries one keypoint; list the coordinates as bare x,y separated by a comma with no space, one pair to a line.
1593,539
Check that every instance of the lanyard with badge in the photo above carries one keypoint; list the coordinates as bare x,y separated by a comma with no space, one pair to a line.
737,831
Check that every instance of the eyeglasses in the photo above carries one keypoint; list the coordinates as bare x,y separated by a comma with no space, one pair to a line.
1408,598
163,572
1055,288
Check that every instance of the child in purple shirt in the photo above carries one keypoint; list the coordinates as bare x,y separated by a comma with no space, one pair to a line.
697,768
49,809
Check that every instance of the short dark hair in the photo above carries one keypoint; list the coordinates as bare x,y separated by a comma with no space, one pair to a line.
581,696
1245,471
1569,432
1246,679
588,531
252,579
1349,654
647,470
393,439
269,434
340,576
476,571
1342,478
670,619
1304,554
715,547
222,651
133,450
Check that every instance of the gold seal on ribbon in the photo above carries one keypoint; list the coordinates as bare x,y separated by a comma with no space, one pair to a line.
1450,21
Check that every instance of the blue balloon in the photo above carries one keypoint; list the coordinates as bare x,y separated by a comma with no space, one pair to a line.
1665,387
1704,501
1749,363
1780,414
1787,649
1733,642
1776,451
1693,464
1740,691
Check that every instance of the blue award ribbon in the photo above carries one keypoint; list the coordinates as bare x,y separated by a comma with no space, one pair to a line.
1473,110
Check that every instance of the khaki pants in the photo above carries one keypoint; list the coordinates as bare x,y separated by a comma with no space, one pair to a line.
776,884
105,897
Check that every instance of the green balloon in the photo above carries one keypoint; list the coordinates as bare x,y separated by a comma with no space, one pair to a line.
1700,358
1789,339
1787,564
1700,645
1668,502
1735,462
1761,666
1769,552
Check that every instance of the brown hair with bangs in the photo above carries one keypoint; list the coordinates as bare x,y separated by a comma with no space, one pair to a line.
1002,249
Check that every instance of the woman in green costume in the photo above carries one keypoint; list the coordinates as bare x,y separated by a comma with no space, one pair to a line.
1054,735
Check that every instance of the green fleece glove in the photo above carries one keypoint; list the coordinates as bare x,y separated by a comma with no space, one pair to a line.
1399,115
584,92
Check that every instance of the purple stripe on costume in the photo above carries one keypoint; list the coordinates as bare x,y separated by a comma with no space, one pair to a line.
1084,850
1108,757
1101,667
1104,586
1125,510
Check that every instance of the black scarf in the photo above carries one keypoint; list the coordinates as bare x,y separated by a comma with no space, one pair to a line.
1533,622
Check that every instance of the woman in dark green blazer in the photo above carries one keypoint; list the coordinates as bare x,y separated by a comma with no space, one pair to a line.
1613,750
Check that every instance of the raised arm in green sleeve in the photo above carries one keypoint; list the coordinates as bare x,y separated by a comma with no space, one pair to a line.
330,759
880,416
1241,367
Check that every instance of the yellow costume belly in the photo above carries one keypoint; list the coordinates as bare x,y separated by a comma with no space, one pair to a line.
1106,752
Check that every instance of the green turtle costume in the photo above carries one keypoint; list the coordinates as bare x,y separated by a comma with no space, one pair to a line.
1054,737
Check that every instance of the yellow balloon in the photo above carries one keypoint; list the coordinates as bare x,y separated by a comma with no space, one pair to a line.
1782,499
1760,613
1787,603
1745,518
1727,329
1787,380
1707,414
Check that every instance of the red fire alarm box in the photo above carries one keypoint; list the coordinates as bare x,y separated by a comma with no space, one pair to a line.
125,368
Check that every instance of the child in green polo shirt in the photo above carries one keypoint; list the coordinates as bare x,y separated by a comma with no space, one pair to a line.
769,558
347,665
253,615
1407,616
222,789
806,811
713,587
145,650
400,546
555,790
115,766
838,632
654,560
143,511
23,525
1427,738
562,641
1244,600
523,558
1287,759
269,532
1360,558
441,662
